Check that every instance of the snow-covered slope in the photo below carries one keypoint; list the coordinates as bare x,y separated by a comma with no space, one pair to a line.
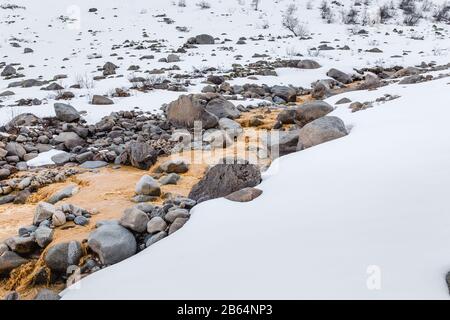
370,208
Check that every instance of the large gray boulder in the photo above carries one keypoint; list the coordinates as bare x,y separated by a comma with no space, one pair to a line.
63,255
222,108
285,143
9,70
134,219
321,130
203,39
112,243
70,139
9,261
101,100
44,235
188,109
66,113
43,211
224,179
148,186
21,245
64,193
308,64
140,155
311,111
288,94
244,195
231,127
339,76
15,149
174,166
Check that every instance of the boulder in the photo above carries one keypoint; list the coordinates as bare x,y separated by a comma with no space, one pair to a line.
188,109
339,76
43,211
112,243
174,166
288,94
222,108
22,120
64,193
9,261
224,179
66,113
204,39
93,164
21,245
171,178
155,225
176,213
44,235
321,130
70,140
155,238
244,195
15,149
61,158
285,144
308,64
101,100
171,58
140,155
148,186
231,127
59,218
8,71
62,255
311,111
134,219
177,225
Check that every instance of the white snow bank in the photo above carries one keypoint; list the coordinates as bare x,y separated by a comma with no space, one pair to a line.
333,218
44,158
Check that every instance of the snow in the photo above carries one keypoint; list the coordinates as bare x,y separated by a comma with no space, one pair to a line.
374,200
44,158
331,218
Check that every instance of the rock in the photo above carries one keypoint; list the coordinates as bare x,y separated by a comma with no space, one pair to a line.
134,219
7,93
109,69
66,113
232,128
204,39
222,108
101,100
112,243
7,199
171,178
81,221
244,195
9,261
58,218
66,192
53,87
93,165
188,109
155,225
288,94
217,80
171,58
61,158
224,179
343,101
148,186
9,70
15,149
4,173
70,140
22,197
339,76
217,138
24,119
177,225
62,255
3,248
141,155
174,166
320,89
311,111
176,213
155,238
308,64
43,211
11,296
28,50
409,71
45,294
44,235
321,130
286,116
85,156
21,245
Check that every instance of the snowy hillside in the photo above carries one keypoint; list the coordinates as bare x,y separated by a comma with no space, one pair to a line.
96,97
